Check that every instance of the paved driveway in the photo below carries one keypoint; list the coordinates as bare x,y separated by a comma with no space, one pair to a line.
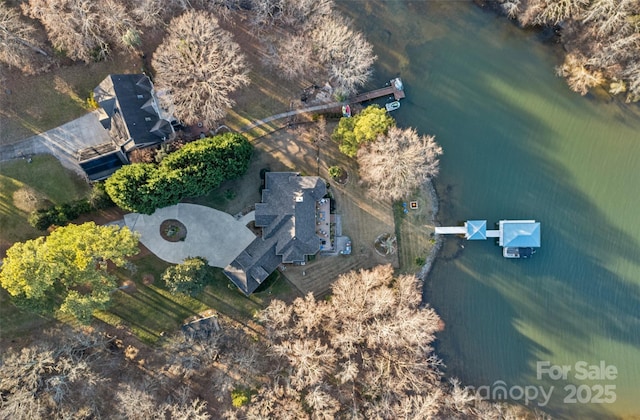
212,234
63,142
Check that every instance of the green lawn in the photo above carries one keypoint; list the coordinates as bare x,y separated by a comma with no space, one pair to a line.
38,103
15,322
25,186
152,310
414,232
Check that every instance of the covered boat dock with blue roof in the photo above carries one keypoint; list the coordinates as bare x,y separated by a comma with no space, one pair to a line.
476,230
512,235
519,233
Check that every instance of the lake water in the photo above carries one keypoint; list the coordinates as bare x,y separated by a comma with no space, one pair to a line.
519,145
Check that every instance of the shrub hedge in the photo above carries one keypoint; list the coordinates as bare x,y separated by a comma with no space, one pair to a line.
193,170
62,214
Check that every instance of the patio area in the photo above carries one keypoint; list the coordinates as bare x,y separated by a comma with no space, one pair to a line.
323,224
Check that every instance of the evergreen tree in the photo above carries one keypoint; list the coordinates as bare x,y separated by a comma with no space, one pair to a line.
366,126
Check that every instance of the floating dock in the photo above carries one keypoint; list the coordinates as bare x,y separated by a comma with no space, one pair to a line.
518,238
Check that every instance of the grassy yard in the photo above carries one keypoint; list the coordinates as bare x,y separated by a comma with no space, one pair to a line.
414,232
26,186
16,323
149,310
33,104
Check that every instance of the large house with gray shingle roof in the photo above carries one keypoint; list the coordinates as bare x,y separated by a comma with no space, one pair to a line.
130,111
287,216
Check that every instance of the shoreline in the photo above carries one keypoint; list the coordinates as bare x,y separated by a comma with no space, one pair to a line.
435,207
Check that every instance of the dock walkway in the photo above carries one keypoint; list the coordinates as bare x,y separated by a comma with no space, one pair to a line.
450,230
395,88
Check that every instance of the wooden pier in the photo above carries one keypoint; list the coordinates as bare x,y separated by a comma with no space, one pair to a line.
395,88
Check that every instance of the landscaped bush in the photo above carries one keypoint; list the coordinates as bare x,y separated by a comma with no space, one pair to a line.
335,171
240,397
193,170
366,126
188,278
99,198
61,214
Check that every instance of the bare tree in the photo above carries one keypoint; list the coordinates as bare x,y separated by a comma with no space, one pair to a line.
510,7
323,405
18,47
311,360
293,13
274,402
195,409
313,41
118,21
551,12
293,56
601,38
200,65
73,26
361,353
346,54
134,402
579,77
150,13
398,162
187,355
610,16
49,381
83,29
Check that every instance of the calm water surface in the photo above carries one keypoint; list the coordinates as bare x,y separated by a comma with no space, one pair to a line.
519,144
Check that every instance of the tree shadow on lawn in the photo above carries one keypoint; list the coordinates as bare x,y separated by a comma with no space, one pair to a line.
152,310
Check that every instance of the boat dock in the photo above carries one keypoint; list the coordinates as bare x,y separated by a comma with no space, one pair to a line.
514,236
395,88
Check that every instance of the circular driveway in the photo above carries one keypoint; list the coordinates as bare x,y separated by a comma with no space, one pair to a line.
212,234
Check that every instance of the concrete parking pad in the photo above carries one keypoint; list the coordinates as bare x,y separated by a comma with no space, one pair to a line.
62,142
212,234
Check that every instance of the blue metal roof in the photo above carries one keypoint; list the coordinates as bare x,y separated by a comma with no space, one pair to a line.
521,234
476,230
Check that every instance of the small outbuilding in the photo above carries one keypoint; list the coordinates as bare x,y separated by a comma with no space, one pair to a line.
476,230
